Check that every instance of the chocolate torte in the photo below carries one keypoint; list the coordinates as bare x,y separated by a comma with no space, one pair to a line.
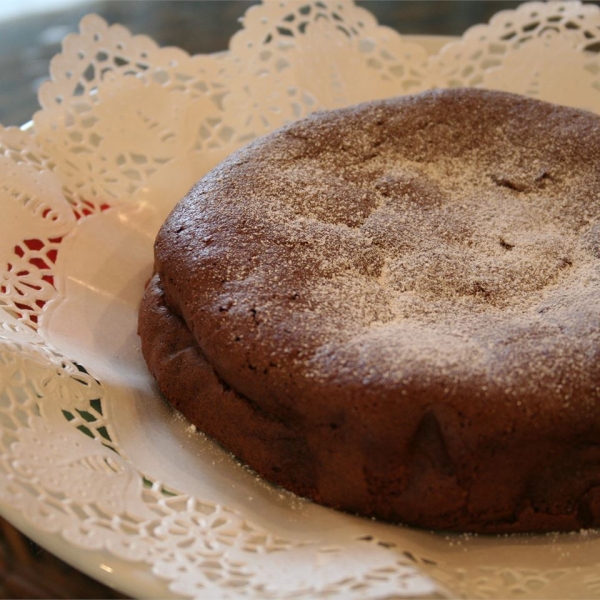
394,309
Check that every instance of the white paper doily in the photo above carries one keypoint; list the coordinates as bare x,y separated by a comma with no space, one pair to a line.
93,464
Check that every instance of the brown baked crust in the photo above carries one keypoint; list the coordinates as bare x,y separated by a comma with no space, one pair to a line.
394,309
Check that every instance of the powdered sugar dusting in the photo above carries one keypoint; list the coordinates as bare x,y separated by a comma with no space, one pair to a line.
448,222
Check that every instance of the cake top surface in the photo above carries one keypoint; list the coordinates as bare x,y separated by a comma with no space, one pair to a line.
443,245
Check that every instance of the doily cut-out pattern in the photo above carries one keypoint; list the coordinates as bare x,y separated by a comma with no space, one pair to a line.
78,485
540,50
125,127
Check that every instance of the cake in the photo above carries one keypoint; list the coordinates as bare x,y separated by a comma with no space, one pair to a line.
393,309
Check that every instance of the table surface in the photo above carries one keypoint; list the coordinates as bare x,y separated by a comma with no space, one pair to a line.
26,46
